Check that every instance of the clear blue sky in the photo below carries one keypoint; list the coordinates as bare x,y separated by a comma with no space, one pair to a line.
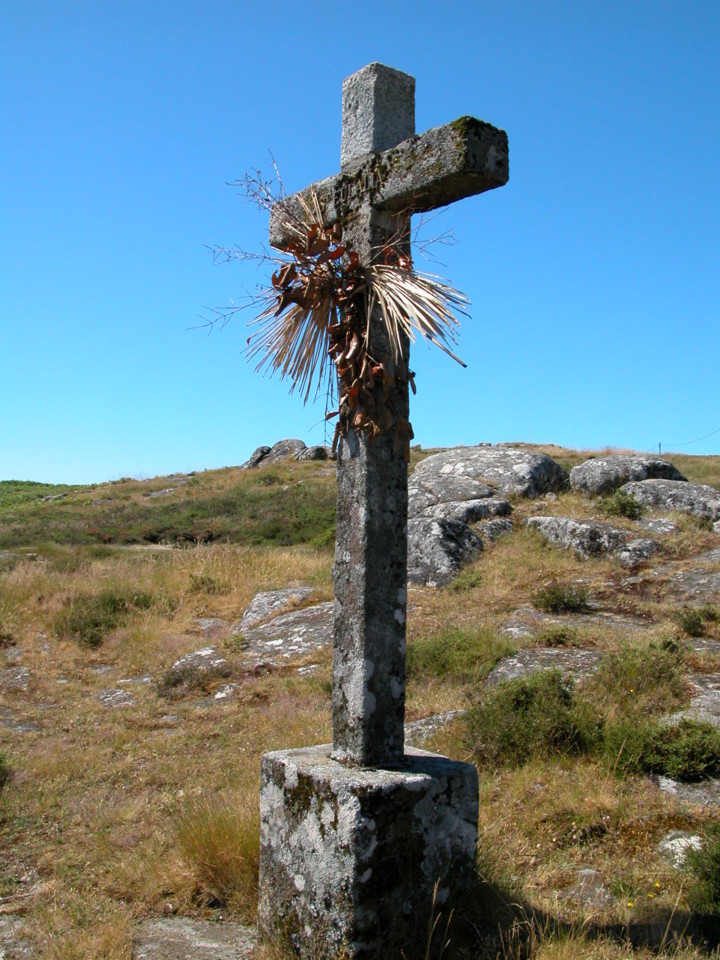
594,274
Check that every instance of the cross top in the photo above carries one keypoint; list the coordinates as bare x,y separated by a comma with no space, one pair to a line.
387,173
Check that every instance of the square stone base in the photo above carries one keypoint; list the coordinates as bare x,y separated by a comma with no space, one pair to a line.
349,856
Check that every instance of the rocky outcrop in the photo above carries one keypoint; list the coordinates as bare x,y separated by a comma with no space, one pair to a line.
317,452
293,634
573,662
468,511
603,475
255,458
465,473
438,548
271,603
589,539
696,498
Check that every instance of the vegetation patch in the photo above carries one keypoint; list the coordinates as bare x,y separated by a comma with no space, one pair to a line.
559,597
693,621
88,620
537,717
704,863
688,751
467,656
621,504
4,770
219,838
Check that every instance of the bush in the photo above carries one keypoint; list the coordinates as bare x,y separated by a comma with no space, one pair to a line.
688,751
4,770
87,620
621,504
561,598
534,717
692,620
704,897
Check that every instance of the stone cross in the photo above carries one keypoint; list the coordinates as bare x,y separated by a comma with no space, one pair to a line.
387,174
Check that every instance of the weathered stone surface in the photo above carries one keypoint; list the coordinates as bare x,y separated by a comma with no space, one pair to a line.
468,511
283,450
638,551
15,678
589,539
676,845
696,586
10,721
704,705
703,794
438,548
703,645
256,457
293,634
698,499
586,538
196,669
528,622
271,603
589,889
504,469
660,526
317,452
378,111
364,847
418,732
428,487
13,944
114,698
573,662
424,172
177,938
491,530
603,475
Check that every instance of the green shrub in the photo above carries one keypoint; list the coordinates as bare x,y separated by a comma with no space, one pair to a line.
4,770
468,656
87,620
534,717
621,504
561,598
688,751
704,895
691,621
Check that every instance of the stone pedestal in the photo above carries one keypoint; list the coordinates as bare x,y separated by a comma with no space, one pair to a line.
349,856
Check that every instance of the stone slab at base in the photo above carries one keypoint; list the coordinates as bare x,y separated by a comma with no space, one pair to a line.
349,856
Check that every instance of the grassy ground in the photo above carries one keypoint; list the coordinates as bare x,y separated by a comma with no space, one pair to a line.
109,815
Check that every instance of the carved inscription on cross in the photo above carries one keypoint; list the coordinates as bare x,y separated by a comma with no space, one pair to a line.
387,174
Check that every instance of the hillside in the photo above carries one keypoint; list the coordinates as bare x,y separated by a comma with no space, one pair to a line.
129,757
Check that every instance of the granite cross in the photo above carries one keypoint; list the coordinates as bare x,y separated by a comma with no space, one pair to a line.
387,174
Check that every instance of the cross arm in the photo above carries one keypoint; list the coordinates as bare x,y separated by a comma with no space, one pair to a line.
445,164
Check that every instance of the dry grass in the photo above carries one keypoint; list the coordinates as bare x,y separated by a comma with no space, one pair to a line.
115,814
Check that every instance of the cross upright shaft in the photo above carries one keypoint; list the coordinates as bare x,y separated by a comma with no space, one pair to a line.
387,173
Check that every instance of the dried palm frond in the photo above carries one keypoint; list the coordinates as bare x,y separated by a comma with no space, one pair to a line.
318,309
414,302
